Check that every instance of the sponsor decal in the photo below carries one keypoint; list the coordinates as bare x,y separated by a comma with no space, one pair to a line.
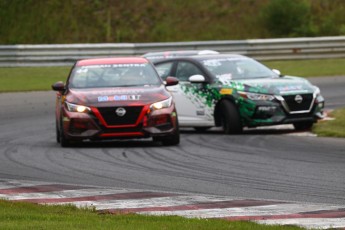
119,98
85,68
289,88
226,91
225,79
200,112
117,92
218,62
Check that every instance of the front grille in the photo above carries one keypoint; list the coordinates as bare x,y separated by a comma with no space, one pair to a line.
294,106
130,117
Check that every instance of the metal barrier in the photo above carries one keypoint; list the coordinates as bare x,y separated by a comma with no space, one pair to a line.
260,49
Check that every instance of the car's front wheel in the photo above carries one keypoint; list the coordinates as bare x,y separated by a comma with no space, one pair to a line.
231,121
57,132
64,142
173,139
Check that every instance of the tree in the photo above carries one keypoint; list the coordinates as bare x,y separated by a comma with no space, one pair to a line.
287,18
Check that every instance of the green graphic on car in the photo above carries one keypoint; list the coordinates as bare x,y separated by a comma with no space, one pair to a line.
234,91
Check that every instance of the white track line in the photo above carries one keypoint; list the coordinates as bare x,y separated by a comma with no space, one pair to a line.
314,223
279,209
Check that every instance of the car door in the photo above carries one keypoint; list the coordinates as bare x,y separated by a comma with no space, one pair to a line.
189,97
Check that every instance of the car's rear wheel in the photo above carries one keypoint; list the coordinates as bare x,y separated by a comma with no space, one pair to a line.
300,126
231,121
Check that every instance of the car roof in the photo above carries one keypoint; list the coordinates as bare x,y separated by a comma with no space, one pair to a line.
204,57
177,53
113,60
218,56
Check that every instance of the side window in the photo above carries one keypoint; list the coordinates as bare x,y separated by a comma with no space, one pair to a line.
164,69
185,70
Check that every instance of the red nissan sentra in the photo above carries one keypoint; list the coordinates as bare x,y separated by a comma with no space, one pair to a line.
111,98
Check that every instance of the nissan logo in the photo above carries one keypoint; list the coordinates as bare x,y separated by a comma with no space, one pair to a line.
298,99
120,112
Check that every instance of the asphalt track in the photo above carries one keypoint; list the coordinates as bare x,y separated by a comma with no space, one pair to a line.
274,163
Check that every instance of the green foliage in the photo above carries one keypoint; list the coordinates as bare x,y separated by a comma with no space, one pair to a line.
81,21
100,21
333,20
287,18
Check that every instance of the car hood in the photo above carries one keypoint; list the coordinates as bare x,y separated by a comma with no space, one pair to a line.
125,96
277,86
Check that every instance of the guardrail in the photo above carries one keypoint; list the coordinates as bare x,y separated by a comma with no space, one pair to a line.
260,49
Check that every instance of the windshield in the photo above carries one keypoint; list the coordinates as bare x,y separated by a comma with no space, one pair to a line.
114,75
237,68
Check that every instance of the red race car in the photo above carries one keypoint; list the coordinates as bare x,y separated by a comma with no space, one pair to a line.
112,98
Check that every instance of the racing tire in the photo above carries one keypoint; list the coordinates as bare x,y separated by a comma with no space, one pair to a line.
173,139
230,116
300,126
57,133
64,142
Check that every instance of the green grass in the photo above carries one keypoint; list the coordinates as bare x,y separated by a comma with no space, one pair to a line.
309,68
332,128
13,79
17,215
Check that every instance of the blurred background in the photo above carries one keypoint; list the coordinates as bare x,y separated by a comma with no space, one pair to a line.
117,21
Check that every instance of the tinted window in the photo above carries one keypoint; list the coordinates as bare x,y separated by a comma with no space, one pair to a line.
236,68
164,69
185,70
115,75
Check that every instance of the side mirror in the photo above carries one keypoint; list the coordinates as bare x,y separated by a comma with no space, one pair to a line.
197,79
170,81
277,72
59,86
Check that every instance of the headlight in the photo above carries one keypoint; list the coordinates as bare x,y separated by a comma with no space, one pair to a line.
317,90
77,108
319,98
257,96
161,104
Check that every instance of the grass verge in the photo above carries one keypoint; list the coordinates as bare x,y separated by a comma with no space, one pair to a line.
332,128
14,79
17,215
309,68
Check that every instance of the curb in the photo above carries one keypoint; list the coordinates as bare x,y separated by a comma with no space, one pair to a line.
119,200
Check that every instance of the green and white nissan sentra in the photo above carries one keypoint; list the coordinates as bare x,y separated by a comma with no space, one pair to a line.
234,91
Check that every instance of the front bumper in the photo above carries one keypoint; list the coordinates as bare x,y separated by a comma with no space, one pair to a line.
92,126
262,113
